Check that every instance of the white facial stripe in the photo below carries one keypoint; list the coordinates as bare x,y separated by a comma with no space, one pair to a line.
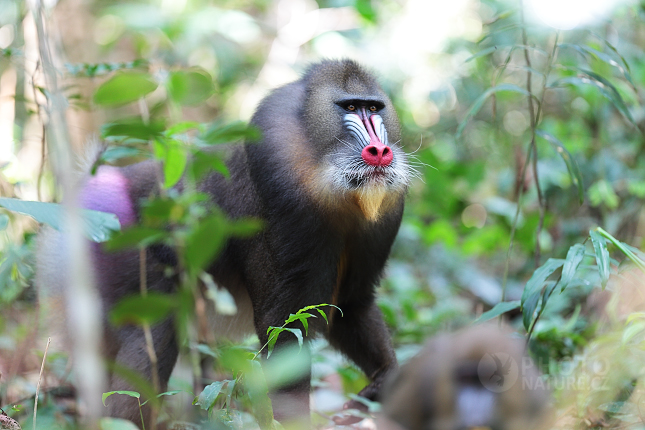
356,128
379,128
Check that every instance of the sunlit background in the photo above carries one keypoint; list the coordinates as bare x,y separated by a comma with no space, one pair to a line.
456,71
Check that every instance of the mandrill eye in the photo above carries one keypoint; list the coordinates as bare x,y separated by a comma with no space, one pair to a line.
373,108
351,107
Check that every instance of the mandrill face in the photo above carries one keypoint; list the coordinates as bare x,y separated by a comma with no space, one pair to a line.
357,134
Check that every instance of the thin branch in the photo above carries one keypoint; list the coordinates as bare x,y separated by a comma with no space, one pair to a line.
534,120
531,155
40,376
150,346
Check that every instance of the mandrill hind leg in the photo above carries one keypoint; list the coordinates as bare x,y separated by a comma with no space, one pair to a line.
132,364
361,334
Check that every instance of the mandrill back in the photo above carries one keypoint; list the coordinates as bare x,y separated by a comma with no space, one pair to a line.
328,180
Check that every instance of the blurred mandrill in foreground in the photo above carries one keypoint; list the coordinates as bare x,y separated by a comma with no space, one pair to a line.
327,179
478,378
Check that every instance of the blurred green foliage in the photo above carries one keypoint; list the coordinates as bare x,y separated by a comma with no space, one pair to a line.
168,78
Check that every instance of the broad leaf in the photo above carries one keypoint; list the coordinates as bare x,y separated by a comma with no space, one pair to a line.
228,133
127,393
174,164
574,258
206,399
138,309
190,87
133,127
533,288
497,310
124,87
167,393
203,244
134,237
98,226
116,424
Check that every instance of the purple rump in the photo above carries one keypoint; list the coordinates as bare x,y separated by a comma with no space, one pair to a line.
107,191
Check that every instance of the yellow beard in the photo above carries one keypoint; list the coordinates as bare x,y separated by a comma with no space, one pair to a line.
369,200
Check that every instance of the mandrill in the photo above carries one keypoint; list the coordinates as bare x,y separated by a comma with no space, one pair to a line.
328,180
478,378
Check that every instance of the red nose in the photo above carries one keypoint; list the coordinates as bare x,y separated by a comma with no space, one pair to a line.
377,154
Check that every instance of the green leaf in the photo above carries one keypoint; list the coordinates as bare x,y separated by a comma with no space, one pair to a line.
286,366
115,153
604,86
613,49
229,392
205,162
532,290
258,391
245,227
298,333
574,258
127,393
174,164
190,87
167,393
304,322
497,310
138,309
602,256
321,312
273,333
228,133
546,294
124,87
133,127
206,399
476,106
203,244
98,226
634,254
134,237
366,10
499,30
601,192
482,53
586,51
572,165
116,424
182,127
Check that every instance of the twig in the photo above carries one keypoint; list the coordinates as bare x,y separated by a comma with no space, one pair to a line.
534,120
150,346
43,139
531,155
40,376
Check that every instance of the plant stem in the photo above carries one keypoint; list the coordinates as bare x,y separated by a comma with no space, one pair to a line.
150,346
40,376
